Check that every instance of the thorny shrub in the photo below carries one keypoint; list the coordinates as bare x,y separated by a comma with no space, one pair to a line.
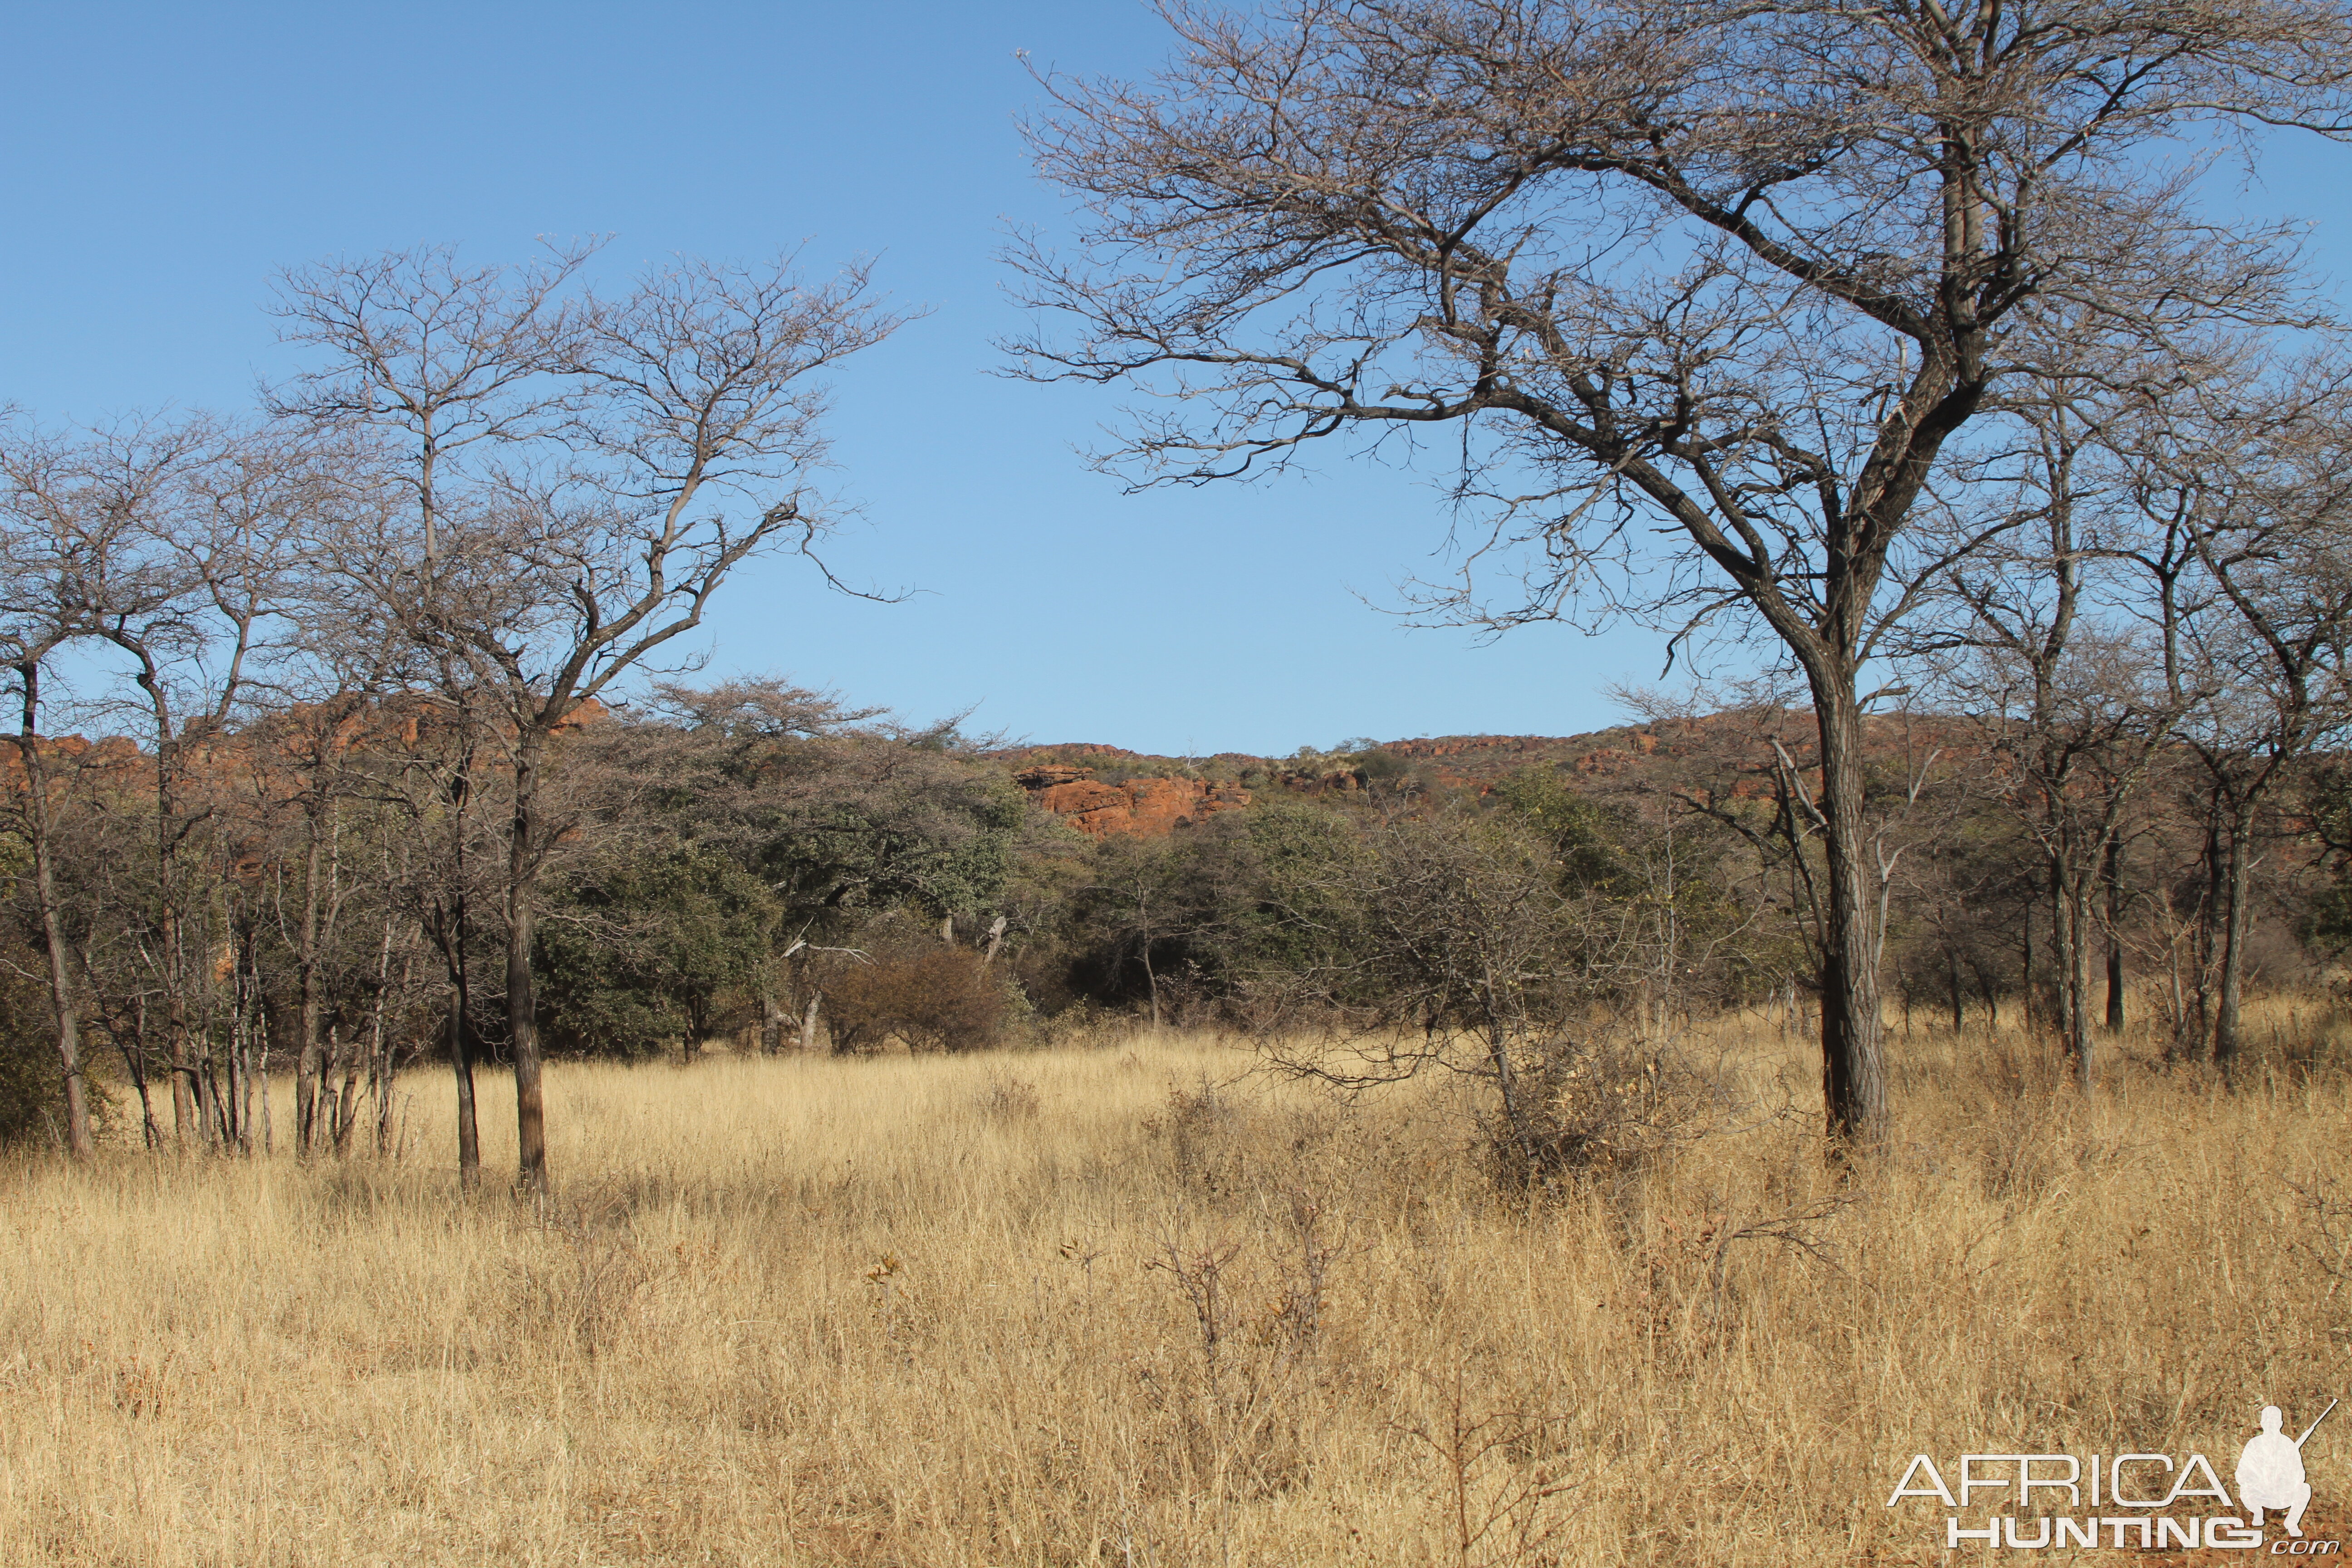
939,998
1009,1100
1591,1106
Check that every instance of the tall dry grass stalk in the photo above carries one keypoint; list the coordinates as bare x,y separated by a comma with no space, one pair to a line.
1116,1307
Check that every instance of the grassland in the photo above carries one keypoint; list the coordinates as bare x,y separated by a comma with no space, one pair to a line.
1134,1304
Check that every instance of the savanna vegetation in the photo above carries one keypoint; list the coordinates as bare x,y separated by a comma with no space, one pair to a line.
1923,1036
1123,1299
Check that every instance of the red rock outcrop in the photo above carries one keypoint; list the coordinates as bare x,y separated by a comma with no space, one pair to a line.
1152,807
1730,750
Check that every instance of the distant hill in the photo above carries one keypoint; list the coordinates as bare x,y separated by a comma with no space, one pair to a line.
1102,789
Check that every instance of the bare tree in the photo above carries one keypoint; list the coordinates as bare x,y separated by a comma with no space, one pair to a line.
1730,276
2256,476
423,766
127,536
41,616
619,457
189,589
2061,669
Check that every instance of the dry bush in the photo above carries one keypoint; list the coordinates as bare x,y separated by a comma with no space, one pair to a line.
1010,1100
1199,1128
932,999
879,1310
1605,1104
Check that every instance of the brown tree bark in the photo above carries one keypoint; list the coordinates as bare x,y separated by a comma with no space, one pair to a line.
522,1014
1854,1071
460,1035
2113,877
44,895
2075,949
309,1063
450,923
2237,898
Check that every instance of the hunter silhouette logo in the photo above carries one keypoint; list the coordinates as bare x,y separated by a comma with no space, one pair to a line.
2270,1472
2142,1501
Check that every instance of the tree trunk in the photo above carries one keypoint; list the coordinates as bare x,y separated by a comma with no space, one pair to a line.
1959,1001
45,893
2113,876
347,1108
457,941
523,1002
309,1063
2070,940
2026,973
379,1068
2236,916
218,1126
1498,1047
1991,992
188,1093
2211,918
261,1070
522,1035
808,1021
134,1062
1853,1072
461,1062
343,1106
2078,983
772,1021
2061,957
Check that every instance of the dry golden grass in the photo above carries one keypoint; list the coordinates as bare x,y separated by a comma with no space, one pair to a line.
1090,1307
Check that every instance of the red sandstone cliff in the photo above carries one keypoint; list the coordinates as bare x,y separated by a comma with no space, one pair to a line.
1731,751
1150,806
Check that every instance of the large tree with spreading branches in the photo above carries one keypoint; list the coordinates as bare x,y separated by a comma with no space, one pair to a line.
1703,295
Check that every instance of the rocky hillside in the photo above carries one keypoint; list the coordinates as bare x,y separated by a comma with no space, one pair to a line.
1102,790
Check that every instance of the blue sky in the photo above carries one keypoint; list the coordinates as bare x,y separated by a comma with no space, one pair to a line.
157,163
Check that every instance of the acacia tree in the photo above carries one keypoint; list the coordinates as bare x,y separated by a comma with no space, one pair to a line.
2257,478
839,813
431,369
2060,666
143,537
1726,278
624,455
31,820
1138,897
39,552
423,763
189,595
737,764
